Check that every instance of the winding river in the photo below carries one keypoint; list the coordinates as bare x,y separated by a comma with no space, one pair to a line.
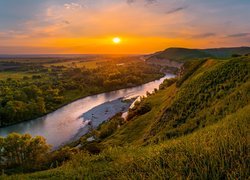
67,123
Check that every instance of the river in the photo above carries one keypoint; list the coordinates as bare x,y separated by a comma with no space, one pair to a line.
67,123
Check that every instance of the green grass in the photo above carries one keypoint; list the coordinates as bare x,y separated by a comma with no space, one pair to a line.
219,151
208,95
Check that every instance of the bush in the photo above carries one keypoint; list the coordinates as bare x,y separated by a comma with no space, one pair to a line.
139,109
236,55
167,82
93,148
57,158
109,127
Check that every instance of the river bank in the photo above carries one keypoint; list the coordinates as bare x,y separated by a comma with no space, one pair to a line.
71,100
101,113
63,124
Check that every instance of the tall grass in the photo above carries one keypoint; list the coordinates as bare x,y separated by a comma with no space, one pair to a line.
205,98
219,151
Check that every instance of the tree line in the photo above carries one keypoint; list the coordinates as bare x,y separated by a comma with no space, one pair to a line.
50,87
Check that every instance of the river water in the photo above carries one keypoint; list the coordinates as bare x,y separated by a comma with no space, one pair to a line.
67,123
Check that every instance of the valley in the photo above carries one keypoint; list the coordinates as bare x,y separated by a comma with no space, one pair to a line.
33,87
197,117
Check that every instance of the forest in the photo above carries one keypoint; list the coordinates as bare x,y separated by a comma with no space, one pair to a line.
44,85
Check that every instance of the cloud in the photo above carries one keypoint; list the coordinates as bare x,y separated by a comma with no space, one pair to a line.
130,1
17,34
204,35
66,22
73,6
145,1
150,1
239,35
176,10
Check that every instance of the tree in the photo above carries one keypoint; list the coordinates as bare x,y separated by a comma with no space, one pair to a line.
32,91
23,151
236,55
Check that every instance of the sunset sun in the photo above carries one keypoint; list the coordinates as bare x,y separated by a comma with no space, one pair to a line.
116,40
113,89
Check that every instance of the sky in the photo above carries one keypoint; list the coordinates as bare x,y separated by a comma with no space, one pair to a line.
144,26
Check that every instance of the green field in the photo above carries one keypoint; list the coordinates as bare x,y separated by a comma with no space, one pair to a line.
75,64
13,75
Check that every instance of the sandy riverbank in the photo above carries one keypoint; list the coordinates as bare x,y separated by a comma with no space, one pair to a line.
103,112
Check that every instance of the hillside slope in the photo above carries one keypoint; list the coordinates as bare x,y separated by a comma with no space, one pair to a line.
207,92
195,127
205,97
180,54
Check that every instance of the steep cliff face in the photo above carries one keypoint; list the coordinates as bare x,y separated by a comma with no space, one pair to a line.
164,62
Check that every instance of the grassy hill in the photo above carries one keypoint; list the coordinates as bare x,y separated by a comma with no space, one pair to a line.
184,54
227,52
195,127
198,99
213,91
180,54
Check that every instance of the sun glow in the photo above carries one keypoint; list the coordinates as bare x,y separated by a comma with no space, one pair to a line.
116,40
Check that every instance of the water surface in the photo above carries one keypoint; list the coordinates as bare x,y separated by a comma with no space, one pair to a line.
67,123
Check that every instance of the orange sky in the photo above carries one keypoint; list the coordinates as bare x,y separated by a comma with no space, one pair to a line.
145,26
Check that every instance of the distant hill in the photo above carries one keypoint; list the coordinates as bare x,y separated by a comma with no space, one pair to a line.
184,54
227,52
